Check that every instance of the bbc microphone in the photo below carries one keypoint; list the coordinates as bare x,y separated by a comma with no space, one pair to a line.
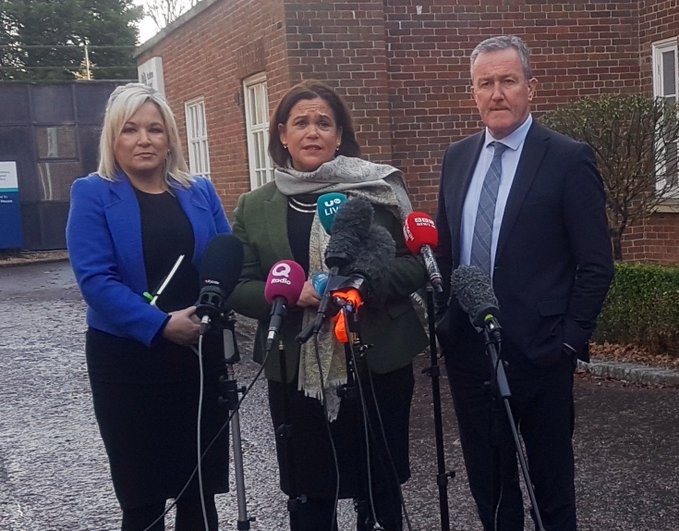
474,293
420,234
327,207
218,275
283,288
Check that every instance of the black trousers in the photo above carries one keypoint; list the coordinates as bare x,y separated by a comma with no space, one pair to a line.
314,514
543,409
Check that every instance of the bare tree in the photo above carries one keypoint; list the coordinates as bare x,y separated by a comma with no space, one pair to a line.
162,12
635,139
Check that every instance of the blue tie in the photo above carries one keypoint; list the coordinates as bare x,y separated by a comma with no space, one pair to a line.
483,227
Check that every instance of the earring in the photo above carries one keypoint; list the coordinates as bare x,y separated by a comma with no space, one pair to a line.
285,146
337,148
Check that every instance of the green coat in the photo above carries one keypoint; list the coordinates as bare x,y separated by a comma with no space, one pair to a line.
391,327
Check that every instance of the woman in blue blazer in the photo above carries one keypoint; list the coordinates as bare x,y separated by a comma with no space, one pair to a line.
128,225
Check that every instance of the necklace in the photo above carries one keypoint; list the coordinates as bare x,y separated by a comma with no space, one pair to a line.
299,206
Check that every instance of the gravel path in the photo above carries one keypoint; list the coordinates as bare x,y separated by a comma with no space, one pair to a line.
54,473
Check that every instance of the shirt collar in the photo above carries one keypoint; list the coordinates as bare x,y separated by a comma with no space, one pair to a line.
514,139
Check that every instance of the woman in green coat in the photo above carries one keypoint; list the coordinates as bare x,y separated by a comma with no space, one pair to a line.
323,455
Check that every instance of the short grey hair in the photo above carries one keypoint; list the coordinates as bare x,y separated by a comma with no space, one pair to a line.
123,102
504,42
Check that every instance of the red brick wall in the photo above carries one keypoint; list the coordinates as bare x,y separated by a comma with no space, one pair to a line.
578,48
343,43
209,56
657,238
403,67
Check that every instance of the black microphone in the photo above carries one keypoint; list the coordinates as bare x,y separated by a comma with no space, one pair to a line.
218,274
349,227
375,250
475,295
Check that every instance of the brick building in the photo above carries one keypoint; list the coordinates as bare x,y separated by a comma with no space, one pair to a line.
403,67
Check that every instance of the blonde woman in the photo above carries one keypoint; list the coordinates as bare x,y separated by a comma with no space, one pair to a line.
128,224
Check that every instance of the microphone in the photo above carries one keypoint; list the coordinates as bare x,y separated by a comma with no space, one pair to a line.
218,275
283,288
420,234
376,249
327,207
349,227
320,281
475,296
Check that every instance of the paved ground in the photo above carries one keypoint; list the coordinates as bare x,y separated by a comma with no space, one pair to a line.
54,474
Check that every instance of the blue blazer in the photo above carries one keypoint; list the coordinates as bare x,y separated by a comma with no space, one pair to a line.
553,263
104,240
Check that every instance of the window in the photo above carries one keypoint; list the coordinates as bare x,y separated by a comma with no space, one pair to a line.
196,134
666,86
257,130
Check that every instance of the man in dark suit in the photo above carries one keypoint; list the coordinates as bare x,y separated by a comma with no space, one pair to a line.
531,213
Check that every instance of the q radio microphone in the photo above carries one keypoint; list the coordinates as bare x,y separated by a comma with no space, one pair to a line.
420,234
218,274
327,207
283,288
475,295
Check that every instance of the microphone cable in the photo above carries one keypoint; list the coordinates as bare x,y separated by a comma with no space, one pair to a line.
224,426
335,459
392,466
199,421
366,434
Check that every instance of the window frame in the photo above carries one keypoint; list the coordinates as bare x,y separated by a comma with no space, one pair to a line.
256,96
659,49
197,138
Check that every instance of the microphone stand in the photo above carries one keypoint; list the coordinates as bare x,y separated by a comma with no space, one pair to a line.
229,392
284,433
434,372
492,340
357,367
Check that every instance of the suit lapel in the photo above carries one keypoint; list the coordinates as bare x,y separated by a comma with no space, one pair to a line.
275,210
534,150
122,213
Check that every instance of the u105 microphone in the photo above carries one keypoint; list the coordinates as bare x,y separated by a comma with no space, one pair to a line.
327,207
283,288
218,275
420,234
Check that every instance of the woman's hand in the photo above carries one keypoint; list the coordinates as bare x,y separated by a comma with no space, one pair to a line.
308,297
183,327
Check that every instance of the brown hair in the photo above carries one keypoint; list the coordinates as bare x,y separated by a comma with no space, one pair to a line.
309,90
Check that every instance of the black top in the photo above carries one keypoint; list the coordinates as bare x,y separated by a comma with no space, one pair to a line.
301,210
167,234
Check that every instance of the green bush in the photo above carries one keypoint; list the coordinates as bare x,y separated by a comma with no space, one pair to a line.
642,307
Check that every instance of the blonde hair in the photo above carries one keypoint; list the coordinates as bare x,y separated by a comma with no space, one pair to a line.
123,102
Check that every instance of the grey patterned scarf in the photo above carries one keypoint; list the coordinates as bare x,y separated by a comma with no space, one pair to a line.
380,184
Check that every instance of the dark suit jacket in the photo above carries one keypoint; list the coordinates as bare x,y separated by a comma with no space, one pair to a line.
393,327
553,263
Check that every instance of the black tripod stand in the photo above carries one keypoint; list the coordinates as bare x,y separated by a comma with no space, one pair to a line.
229,392
357,370
492,338
434,372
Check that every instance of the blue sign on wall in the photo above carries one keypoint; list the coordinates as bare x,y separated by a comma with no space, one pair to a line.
11,235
